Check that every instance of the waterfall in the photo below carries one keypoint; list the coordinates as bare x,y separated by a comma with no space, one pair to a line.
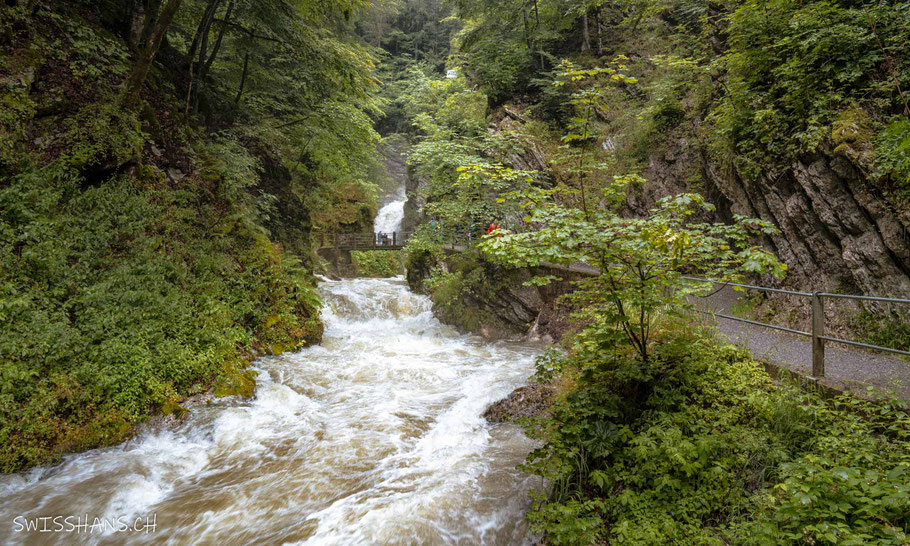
389,218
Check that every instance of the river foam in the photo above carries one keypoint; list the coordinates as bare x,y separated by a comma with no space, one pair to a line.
373,437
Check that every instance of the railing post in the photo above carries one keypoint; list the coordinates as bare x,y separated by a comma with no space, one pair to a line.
394,238
818,332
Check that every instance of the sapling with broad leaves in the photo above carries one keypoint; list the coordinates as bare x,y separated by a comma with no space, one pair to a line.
641,261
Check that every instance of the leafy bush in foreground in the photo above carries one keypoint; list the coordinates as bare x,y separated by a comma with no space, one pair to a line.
698,446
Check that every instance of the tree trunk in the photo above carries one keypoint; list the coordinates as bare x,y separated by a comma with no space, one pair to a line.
141,14
201,33
156,29
600,37
585,34
203,28
246,64
528,42
208,63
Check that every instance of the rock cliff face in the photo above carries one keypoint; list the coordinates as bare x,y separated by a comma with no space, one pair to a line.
837,233
413,206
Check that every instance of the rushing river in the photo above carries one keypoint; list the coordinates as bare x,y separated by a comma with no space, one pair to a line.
373,437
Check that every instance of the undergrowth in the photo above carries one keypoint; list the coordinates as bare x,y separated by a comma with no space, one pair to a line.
124,289
699,446
377,263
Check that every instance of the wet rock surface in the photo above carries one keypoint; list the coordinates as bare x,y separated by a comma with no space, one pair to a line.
838,232
533,400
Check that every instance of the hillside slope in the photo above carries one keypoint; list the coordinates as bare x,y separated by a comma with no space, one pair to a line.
148,252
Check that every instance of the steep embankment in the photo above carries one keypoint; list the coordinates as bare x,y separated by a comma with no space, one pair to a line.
792,113
838,233
147,254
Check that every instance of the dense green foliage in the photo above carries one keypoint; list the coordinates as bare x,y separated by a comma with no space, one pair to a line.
640,261
699,447
377,263
411,38
795,67
755,83
165,163
152,246
122,298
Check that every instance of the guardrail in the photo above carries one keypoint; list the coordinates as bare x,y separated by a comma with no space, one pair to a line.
817,314
357,241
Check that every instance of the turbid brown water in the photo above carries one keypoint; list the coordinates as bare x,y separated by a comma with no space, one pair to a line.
373,437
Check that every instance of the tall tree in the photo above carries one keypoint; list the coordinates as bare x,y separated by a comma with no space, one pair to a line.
154,30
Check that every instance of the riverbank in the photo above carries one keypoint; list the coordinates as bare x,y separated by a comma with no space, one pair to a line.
375,435
155,225
699,444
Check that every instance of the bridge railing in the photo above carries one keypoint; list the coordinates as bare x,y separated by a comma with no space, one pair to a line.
817,316
357,241
366,241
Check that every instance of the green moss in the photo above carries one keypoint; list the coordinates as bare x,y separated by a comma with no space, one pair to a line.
236,382
447,291
421,258
852,126
170,407
377,263
461,295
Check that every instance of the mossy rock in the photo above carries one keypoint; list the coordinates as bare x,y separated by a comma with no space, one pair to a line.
171,407
239,383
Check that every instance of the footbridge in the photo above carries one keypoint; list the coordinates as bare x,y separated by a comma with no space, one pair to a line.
363,241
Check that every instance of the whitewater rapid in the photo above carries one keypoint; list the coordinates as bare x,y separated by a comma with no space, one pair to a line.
373,437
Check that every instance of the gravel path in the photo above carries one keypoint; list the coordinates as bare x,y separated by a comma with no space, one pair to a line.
845,367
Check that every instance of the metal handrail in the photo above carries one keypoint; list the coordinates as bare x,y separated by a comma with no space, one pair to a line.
757,323
753,287
355,241
866,298
866,345
818,320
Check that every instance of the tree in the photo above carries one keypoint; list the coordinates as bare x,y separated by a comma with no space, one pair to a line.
153,33
641,261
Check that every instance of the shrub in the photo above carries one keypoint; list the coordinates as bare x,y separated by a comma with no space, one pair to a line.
377,263
700,447
125,297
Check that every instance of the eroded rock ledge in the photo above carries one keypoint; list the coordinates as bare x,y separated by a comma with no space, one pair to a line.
532,400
